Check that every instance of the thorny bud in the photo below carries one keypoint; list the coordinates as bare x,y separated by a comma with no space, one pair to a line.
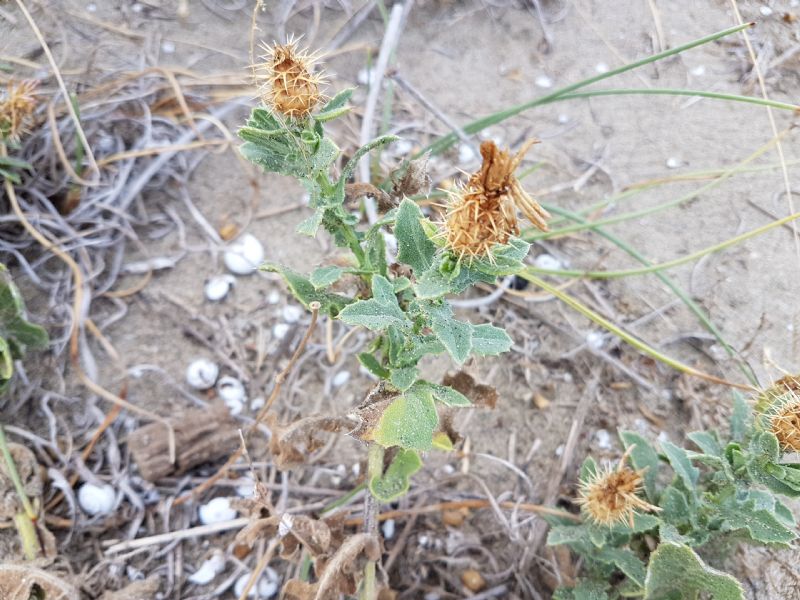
290,87
611,495
484,212
16,107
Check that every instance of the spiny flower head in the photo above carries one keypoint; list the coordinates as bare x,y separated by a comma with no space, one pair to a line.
290,87
611,495
17,104
483,213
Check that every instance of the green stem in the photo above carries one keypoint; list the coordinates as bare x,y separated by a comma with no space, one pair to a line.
26,520
369,590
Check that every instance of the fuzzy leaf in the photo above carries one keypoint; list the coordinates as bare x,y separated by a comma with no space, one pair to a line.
409,421
675,572
322,277
404,377
707,442
310,226
379,312
757,516
488,340
413,246
6,365
568,534
447,395
505,260
372,365
741,418
334,104
394,483
643,456
305,292
455,335
626,561
680,462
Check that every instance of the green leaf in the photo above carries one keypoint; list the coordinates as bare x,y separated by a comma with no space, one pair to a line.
306,293
568,534
372,365
379,312
409,421
625,560
455,335
310,226
351,165
24,334
18,334
707,442
413,246
322,277
505,260
488,340
741,418
403,378
681,464
675,572
6,364
675,506
446,395
643,456
335,107
757,516
394,483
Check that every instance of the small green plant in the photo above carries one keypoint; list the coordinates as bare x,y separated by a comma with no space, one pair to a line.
645,525
402,299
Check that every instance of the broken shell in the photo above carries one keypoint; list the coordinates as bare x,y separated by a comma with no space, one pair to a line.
210,568
216,511
231,390
388,529
244,255
96,499
279,330
341,378
201,374
218,287
292,313
267,586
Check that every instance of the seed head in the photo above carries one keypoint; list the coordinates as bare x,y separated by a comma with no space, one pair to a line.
782,417
17,104
611,495
289,85
483,213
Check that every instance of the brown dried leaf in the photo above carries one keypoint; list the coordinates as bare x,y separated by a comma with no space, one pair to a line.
370,411
415,180
292,445
484,396
18,582
318,536
28,469
138,590
355,191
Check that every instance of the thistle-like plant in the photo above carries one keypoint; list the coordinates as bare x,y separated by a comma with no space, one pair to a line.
400,299
643,535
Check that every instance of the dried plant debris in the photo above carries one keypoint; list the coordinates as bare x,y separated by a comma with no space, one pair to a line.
201,436
30,475
137,590
292,445
481,395
20,582
320,537
414,181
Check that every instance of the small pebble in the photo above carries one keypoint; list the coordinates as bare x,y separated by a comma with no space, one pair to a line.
563,119
217,287
473,580
167,47
341,378
201,374
274,297
292,313
465,153
543,81
388,528
91,7
595,340
765,10
603,439
210,568
547,261
674,163
96,499
453,518
698,71
244,255
267,586
232,392
367,76
279,330
217,510
540,402
560,450
601,67
356,469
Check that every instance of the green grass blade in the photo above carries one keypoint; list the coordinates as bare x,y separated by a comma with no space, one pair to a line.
679,92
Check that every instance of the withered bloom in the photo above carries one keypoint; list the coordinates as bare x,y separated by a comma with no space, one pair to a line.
610,496
484,213
290,86
783,419
16,107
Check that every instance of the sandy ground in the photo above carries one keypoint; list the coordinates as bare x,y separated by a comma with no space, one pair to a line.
470,59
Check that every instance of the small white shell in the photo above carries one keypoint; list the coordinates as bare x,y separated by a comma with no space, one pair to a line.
543,81
595,340
231,390
267,586
279,330
244,255
465,153
274,297
292,313
246,488
96,499
341,378
257,403
388,528
210,568
674,163
603,439
601,67
218,287
216,511
201,374
547,261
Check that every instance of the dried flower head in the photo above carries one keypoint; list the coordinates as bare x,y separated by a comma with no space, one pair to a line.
290,86
782,415
610,495
484,212
17,104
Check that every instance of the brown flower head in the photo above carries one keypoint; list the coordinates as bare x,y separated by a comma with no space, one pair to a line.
290,86
16,107
484,212
782,418
611,495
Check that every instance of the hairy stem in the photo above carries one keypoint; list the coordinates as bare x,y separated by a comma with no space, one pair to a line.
369,590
